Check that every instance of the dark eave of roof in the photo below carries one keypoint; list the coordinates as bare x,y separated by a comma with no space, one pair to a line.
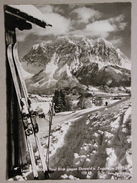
19,14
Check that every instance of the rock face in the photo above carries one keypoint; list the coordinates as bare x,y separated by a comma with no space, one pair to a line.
71,63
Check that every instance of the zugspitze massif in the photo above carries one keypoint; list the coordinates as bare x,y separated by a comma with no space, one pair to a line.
74,63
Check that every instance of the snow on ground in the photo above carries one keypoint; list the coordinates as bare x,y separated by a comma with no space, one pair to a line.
93,88
50,70
70,177
100,140
38,98
115,124
42,107
58,136
117,71
83,111
102,64
127,114
111,160
103,135
102,143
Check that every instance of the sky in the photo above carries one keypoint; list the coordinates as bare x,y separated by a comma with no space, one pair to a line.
111,21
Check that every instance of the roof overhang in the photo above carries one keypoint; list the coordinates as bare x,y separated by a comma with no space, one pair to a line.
27,13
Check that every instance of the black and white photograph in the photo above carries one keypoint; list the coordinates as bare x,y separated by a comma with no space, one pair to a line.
68,80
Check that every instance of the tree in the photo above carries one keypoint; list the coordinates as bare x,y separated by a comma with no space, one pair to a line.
81,102
59,101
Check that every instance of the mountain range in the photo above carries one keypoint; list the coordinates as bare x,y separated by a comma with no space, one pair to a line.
75,63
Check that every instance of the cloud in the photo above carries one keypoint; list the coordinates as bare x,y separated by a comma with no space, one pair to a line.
100,28
61,25
21,36
122,26
119,22
97,29
85,14
46,9
87,23
103,28
58,10
119,18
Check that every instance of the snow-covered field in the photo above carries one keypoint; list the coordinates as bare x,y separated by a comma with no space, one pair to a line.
93,143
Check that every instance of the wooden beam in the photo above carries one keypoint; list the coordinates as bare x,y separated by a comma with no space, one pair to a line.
24,16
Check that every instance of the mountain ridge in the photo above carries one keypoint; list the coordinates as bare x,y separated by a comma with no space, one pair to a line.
82,62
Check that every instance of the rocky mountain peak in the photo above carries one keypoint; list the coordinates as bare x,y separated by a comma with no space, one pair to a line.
103,42
69,62
102,47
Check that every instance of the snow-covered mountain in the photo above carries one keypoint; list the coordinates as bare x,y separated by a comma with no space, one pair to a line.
26,75
75,63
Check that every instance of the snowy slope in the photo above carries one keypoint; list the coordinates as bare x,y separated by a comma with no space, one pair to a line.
25,74
98,150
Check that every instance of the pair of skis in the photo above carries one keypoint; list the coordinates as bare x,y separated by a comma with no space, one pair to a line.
28,114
